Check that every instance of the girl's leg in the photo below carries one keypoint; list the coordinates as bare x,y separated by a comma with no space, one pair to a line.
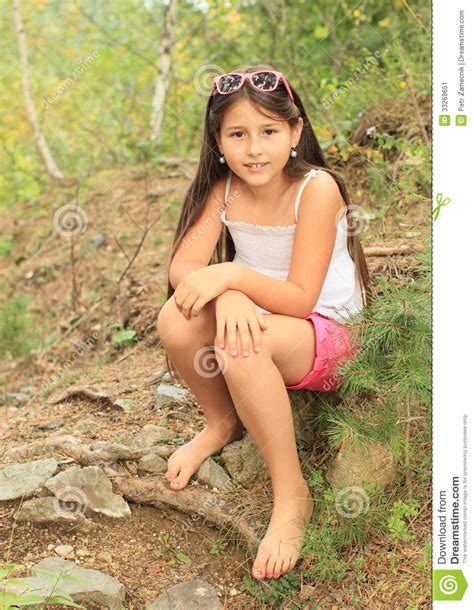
257,387
189,344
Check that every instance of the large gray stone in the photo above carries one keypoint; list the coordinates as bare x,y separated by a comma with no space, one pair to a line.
167,394
17,480
153,464
213,475
90,487
151,434
244,462
191,595
51,510
92,589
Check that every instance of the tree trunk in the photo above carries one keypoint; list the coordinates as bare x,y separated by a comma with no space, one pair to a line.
164,66
51,167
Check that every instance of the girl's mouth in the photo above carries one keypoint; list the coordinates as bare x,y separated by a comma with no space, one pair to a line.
256,167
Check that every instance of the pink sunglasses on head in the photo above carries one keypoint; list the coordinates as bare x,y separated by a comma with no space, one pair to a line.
264,80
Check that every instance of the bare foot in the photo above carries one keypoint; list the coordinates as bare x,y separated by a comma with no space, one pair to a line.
280,547
184,462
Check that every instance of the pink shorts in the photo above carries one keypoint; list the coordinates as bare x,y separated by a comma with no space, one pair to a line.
332,349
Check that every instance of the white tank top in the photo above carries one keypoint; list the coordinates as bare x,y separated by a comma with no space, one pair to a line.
268,249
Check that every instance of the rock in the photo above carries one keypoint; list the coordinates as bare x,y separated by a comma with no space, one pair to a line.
244,462
151,435
126,404
14,399
66,551
123,436
51,510
152,463
88,427
371,463
191,595
97,240
51,425
89,487
213,475
17,480
167,394
88,587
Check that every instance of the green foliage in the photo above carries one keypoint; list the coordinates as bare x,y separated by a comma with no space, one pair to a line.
10,600
6,246
332,530
218,546
274,591
18,334
94,100
395,341
396,524
123,337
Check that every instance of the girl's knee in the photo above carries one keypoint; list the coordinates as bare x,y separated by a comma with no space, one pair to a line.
175,330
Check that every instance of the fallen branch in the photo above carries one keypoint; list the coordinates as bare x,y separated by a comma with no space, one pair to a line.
99,452
192,500
390,250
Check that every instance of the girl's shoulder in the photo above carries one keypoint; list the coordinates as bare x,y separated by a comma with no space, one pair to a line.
323,185
323,175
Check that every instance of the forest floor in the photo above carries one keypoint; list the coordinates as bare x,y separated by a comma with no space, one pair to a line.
140,551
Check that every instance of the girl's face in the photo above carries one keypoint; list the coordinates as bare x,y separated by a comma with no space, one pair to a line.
247,136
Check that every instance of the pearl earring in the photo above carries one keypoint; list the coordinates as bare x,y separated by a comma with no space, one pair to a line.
222,159
293,153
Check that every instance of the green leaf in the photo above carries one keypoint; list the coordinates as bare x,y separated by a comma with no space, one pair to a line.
183,558
123,336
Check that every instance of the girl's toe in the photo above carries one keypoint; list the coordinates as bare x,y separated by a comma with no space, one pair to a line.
278,568
285,567
271,566
259,569
181,480
172,472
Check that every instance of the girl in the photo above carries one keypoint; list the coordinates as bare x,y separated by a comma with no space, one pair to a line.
273,265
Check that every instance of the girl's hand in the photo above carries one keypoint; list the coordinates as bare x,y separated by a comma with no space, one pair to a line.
201,286
235,311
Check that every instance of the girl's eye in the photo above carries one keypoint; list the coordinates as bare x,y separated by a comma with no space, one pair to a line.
236,132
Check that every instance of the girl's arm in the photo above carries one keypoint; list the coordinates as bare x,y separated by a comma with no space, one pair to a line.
197,245
277,296
319,212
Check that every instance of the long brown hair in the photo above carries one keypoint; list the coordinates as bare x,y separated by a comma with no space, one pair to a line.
211,170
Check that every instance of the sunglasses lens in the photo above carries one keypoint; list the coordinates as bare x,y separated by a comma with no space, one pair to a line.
264,80
228,83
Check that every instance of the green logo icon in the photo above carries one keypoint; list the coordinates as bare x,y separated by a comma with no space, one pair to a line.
461,119
444,119
448,585
440,203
